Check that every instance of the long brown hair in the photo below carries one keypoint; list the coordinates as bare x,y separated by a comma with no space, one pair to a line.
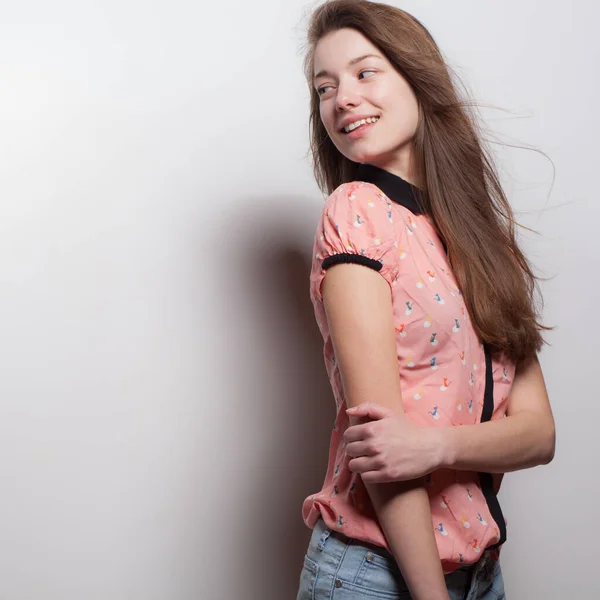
460,186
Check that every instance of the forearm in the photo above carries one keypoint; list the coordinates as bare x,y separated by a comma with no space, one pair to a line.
404,513
509,444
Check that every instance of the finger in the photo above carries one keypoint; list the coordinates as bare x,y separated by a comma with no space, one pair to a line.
370,410
355,433
363,464
358,449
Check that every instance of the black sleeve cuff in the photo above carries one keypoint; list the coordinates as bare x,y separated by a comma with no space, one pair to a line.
347,257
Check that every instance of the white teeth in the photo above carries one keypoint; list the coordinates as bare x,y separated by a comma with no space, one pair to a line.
353,126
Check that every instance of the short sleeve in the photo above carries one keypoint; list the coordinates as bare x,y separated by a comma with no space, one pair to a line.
357,226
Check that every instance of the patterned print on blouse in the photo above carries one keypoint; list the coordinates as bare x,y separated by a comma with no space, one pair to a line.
441,364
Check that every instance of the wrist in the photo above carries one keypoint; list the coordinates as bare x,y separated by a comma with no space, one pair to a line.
447,447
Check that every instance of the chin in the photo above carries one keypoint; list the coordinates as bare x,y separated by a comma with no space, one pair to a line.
362,156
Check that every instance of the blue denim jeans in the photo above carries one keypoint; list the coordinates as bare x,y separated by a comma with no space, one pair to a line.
339,568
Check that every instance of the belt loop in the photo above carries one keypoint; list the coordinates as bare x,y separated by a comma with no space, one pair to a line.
324,536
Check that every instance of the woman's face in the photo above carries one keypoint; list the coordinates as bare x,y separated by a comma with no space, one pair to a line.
354,82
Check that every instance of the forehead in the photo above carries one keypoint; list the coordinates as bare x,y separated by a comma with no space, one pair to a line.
334,50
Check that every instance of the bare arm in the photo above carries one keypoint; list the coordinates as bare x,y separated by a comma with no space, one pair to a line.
359,312
524,438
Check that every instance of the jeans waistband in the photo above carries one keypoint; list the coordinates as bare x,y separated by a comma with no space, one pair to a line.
324,532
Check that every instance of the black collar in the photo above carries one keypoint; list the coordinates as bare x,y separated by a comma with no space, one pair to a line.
394,187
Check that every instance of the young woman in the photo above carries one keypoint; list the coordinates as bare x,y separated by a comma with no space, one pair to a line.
425,304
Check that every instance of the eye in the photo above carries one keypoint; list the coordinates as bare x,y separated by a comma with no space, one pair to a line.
322,89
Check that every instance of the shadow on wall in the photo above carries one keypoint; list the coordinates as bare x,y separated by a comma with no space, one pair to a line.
276,266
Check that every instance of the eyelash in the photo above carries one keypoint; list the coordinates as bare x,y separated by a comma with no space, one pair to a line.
319,90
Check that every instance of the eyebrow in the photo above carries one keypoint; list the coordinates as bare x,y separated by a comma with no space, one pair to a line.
324,73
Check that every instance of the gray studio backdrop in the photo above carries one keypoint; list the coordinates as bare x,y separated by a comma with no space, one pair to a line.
164,408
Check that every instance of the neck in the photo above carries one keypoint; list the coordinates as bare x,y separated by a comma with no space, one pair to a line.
400,164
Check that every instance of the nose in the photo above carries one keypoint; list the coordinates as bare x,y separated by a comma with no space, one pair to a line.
346,98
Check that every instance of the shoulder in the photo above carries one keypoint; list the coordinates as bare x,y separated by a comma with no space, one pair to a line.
358,200
357,227
357,193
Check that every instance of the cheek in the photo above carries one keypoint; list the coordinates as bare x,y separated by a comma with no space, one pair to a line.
410,106
398,97
404,110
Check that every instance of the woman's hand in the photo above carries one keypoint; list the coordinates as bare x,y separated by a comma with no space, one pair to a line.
390,447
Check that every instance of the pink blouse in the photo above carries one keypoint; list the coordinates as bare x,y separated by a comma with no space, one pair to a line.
447,375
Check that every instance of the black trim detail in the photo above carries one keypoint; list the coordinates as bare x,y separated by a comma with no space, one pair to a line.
485,479
394,187
488,396
347,257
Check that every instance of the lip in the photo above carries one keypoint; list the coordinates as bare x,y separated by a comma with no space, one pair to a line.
359,132
352,119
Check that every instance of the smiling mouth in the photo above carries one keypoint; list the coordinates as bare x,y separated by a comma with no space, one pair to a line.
358,124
